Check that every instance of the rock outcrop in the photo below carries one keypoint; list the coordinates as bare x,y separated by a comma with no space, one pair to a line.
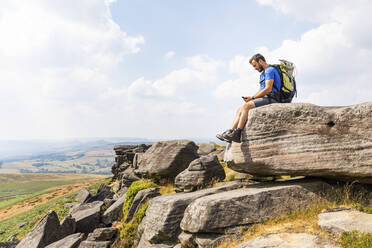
252,204
44,233
87,216
206,148
164,213
166,159
301,139
124,157
201,172
339,220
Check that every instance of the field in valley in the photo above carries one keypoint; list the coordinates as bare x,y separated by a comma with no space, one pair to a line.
97,160
26,197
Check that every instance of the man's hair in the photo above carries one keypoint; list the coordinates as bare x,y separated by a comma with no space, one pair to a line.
256,58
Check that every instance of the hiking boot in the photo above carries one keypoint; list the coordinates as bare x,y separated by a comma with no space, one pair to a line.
222,136
234,136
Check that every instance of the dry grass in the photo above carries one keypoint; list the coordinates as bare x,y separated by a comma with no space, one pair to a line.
167,189
306,220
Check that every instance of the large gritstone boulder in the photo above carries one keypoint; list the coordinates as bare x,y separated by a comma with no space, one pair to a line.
44,233
301,139
201,171
167,158
164,213
87,216
253,204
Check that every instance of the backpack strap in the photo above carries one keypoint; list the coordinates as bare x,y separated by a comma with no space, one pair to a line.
277,67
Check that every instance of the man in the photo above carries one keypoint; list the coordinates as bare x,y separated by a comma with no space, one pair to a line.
269,85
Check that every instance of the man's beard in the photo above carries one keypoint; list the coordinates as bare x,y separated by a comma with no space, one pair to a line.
260,69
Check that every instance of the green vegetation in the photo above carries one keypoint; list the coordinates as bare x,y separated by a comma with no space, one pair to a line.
128,230
132,191
16,188
306,220
356,240
10,226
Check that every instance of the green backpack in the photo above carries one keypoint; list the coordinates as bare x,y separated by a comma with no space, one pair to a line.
287,89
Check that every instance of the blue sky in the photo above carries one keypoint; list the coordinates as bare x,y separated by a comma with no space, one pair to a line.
169,69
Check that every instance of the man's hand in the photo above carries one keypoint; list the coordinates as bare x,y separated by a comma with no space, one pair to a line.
247,98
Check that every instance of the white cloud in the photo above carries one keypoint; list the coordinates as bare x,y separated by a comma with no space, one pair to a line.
169,54
200,73
56,58
331,59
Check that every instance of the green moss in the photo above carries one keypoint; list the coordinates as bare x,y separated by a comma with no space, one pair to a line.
356,239
128,231
132,191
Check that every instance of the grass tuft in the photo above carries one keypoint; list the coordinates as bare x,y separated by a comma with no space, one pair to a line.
356,239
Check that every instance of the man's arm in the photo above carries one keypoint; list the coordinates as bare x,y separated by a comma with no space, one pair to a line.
268,88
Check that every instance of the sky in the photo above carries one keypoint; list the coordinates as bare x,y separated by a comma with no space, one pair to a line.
169,69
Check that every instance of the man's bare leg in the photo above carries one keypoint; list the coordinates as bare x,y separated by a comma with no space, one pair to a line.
237,118
244,113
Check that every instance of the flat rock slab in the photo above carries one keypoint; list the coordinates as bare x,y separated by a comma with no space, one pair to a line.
164,213
337,222
301,139
252,204
71,241
288,240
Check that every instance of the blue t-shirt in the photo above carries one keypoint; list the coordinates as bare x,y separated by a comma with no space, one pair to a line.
270,73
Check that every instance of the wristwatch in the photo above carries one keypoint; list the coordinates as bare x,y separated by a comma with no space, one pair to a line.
252,97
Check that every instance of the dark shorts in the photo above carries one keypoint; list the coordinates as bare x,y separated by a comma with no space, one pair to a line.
263,101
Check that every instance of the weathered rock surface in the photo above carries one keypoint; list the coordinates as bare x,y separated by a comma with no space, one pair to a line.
95,244
252,204
140,198
8,244
306,140
87,216
124,157
337,222
164,214
44,233
288,240
71,241
115,211
205,148
68,226
145,244
103,192
103,234
167,158
127,177
83,195
200,172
